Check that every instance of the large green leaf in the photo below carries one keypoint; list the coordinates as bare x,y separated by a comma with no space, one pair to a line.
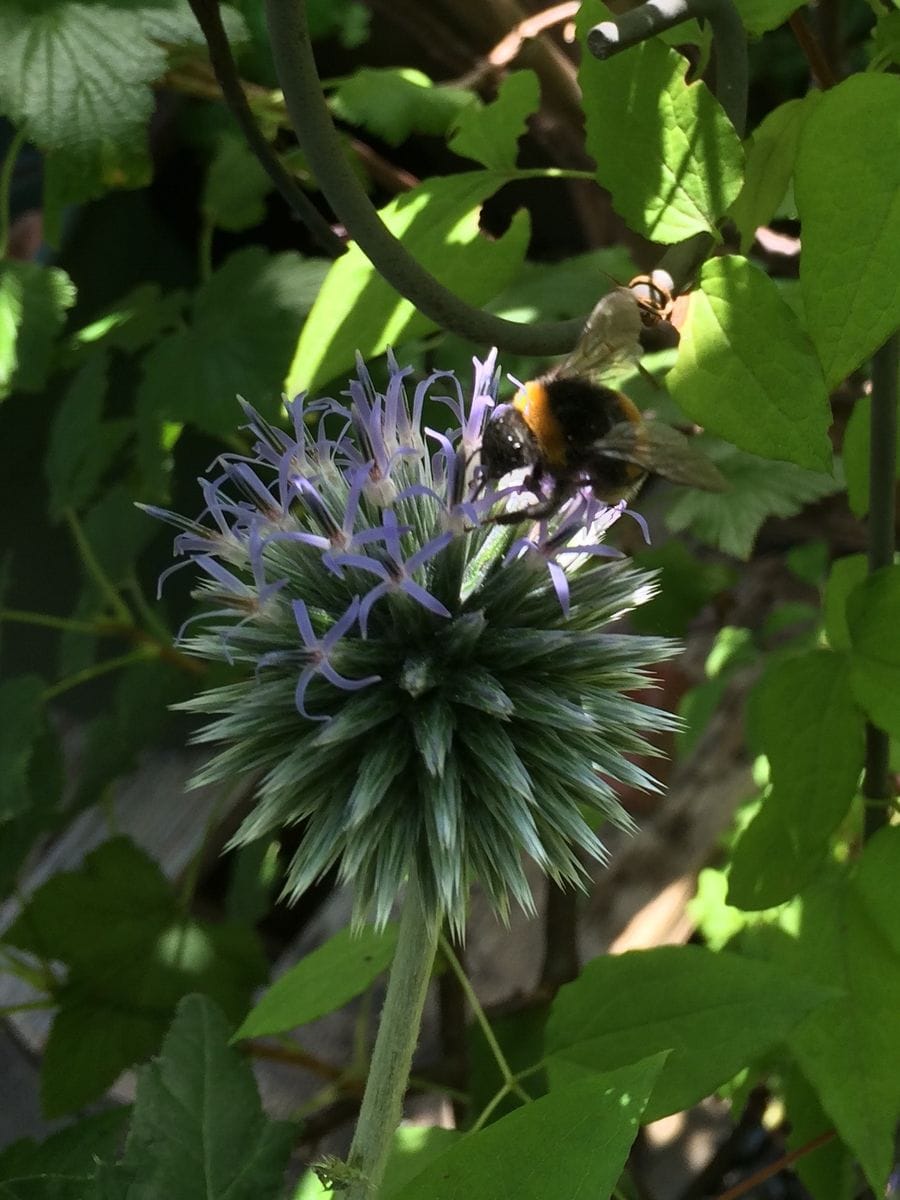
746,370
491,135
770,165
437,222
758,488
759,16
872,617
198,1127
664,148
580,1132
321,982
847,187
849,1049
241,335
131,954
714,1011
815,760
33,303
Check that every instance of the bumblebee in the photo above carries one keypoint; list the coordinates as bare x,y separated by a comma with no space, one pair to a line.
569,428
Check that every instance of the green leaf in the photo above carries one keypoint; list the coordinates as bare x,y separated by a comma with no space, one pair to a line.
356,310
133,322
233,348
714,1011
82,445
131,955
843,577
848,168
813,735
759,16
491,135
830,1172
236,187
321,982
746,371
33,303
849,1049
757,488
77,76
580,1132
885,46
393,102
872,610
770,165
198,1127
72,1150
679,168
22,721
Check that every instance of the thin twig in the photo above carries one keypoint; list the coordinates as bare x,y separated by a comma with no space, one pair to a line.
753,1181
882,539
808,42
210,21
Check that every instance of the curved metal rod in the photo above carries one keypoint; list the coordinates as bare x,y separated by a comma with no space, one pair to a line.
322,149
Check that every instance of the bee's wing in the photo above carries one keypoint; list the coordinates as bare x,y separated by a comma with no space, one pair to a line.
663,450
611,336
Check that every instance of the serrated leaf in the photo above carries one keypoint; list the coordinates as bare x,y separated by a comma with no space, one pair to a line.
579,1132
72,1150
22,721
849,1049
815,760
236,187
872,610
770,165
233,348
131,954
845,574
394,102
198,1127
321,982
757,488
33,303
746,370
848,168
437,222
77,76
715,1011
491,134
679,169
82,445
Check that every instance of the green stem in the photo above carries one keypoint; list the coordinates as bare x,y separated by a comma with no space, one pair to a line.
322,149
6,174
398,1033
510,1083
94,672
882,518
22,617
94,569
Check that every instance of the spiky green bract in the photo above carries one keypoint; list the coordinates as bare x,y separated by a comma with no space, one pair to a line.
423,692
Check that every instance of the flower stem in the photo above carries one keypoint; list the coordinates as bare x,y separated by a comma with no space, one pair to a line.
882,517
6,173
398,1033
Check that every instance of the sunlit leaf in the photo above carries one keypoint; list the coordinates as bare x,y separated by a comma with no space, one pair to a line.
33,303
491,135
847,162
393,102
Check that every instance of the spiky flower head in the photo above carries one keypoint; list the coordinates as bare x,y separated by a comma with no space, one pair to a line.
424,689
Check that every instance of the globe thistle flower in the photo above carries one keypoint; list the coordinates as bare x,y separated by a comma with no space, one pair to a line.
425,690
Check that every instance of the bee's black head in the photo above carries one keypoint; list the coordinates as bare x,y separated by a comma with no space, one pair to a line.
507,443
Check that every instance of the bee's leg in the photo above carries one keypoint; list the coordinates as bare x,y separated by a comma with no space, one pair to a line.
534,512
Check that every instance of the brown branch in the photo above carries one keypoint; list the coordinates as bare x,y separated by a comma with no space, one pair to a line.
819,65
747,1185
